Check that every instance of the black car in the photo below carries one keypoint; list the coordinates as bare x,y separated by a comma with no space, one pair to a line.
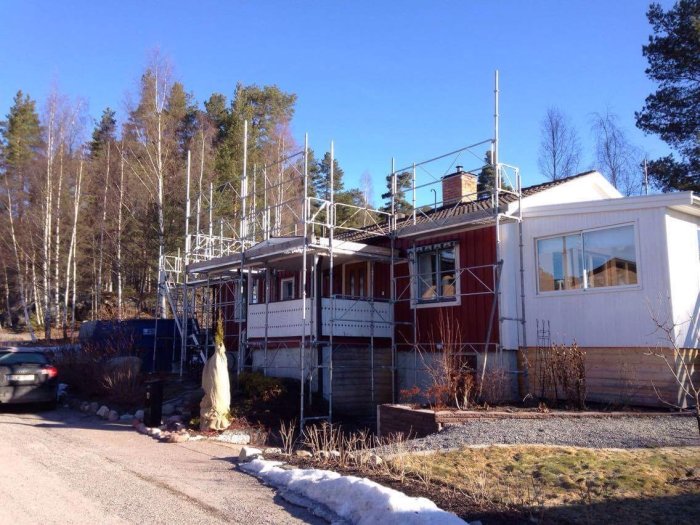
27,377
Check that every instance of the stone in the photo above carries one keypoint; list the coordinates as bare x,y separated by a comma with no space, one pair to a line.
168,409
303,454
272,451
126,417
177,437
113,416
375,460
139,415
249,454
84,406
154,432
236,437
323,455
94,407
103,412
335,454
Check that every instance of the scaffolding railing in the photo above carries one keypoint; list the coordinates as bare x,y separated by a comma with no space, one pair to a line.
276,201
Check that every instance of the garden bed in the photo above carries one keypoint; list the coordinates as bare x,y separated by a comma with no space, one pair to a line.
421,422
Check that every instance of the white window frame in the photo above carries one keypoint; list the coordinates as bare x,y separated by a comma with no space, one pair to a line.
282,282
440,302
585,288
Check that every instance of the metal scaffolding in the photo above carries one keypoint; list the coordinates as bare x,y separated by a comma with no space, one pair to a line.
275,222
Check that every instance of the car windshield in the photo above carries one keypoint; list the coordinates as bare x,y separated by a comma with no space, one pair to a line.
14,358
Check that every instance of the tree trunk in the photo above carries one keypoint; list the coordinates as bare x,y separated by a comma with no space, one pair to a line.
57,254
38,304
120,313
48,208
72,326
98,298
20,275
72,250
7,295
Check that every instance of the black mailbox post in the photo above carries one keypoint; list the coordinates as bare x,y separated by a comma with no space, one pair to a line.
153,409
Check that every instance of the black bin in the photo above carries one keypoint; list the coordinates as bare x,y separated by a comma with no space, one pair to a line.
153,409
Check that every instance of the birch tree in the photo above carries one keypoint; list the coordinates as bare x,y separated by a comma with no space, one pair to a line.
560,149
71,262
617,158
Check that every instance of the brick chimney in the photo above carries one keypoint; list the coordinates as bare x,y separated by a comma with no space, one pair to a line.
459,186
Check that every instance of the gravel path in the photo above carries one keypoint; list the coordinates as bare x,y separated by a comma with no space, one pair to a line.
618,432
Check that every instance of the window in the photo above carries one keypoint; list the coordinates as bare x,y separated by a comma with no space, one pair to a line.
239,293
287,288
587,259
435,274
254,290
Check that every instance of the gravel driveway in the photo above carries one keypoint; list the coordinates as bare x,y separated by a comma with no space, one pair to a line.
605,432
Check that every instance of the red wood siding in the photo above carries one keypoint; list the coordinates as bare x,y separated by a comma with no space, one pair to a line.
476,248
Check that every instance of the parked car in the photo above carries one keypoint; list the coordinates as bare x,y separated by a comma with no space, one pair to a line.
27,377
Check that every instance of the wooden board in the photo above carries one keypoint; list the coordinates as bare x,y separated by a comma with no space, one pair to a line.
625,375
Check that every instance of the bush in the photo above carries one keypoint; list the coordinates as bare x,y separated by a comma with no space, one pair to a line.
258,387
560,374
102,371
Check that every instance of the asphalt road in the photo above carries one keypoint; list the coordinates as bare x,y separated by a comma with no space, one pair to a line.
63,467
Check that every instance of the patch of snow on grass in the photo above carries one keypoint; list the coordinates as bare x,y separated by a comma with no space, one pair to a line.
358,500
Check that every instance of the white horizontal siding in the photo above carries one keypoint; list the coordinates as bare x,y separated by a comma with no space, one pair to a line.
684,270
607,316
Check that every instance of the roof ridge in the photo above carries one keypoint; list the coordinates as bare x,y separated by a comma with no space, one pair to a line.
548,183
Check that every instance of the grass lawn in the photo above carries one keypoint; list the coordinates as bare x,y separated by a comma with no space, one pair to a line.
569,485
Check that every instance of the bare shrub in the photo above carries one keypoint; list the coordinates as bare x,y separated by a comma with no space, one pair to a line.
451,376
681,365
495,386
93,370
288,436
410,395
322,438
562,374
122,384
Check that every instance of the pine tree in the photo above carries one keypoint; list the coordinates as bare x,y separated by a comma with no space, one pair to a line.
20,145
487,176
104,132
673,111
404,181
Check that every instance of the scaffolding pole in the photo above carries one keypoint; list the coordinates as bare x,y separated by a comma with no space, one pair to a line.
302,346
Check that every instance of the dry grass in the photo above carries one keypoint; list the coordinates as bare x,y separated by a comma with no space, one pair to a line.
568,484
520,484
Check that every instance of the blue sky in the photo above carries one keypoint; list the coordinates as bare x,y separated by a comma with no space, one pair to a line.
405,79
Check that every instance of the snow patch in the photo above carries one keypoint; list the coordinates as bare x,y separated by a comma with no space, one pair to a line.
359,500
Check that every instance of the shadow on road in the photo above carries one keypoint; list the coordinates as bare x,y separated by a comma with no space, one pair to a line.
40,417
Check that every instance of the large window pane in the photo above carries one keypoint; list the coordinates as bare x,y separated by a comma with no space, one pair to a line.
427,285
560,263
447,273
611,258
